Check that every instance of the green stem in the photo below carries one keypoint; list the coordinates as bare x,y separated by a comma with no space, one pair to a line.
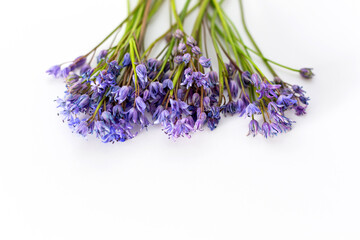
253,41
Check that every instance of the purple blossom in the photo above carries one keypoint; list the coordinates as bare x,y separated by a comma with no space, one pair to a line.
127,61
300,110
205,62
141,72
297,89
196,50
188,77
140,104
167,83
256,80
253,128
178,59
182,48
267,89
191,41
82,128
285,101
306,73
186,58
178,34
102,55
252,109
266,129
120,94
54,70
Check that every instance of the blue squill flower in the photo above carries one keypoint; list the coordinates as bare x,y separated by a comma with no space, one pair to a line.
140,104
191,41
167,83
196,50
186,58
200,121
266,129
256,80
182,48
178,34
306,73
252,109
188,80
54,70
297,89
178,59
285,101
82,128
304,99
213,117
102,55
253,128
127,61
141,72
120,94
107,117
205,62
234,89
267,89
300,110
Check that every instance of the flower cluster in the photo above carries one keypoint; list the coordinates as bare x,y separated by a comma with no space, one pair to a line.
125,93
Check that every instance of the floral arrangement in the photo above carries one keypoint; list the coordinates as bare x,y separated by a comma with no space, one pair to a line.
116,92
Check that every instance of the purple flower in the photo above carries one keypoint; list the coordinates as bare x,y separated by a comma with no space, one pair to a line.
256,80
252,109
205,62
178,59
178,34
178,107
213,77
275,129
141,72
253,127
107,117
133,115
127,61
300,110
196,50
246,78
186,58
140,104
54,70
306,73
188,80
285,101
234,89
213,117
304,99
102,55
267,89
266,129
78,63
182,47
155,88
201,79
82,128
83,101
297,89
191,41
65,72
120,94
167,83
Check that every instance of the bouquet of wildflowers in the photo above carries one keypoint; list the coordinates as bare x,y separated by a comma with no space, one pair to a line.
117,91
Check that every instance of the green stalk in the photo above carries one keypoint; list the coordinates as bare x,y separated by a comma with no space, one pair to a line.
253,41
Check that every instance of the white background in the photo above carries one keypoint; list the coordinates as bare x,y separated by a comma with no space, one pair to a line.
218,185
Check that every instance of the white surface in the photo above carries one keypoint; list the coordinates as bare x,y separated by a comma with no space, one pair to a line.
218,185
